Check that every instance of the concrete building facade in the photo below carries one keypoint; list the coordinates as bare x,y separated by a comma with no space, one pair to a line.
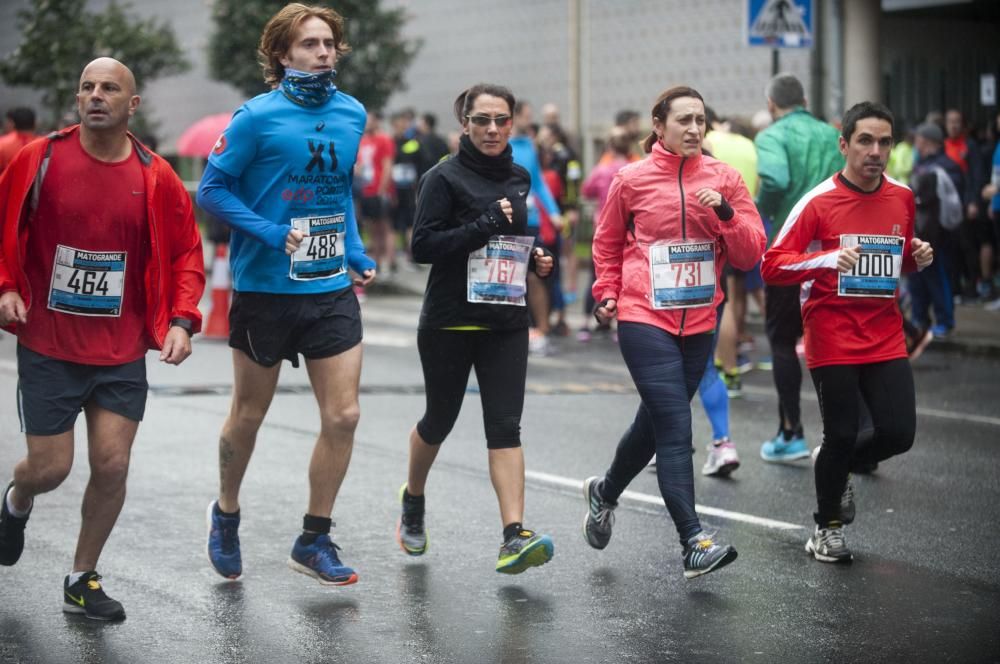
593,58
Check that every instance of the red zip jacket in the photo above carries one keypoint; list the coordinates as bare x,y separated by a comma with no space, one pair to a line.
175,275
840,329
653,201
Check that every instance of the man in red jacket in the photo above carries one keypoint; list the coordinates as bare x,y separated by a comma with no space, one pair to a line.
89,283
862,224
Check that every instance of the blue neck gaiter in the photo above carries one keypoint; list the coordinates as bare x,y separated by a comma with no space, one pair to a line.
307,89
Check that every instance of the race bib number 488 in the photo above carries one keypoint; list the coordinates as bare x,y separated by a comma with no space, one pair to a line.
877,272
321,254
87,283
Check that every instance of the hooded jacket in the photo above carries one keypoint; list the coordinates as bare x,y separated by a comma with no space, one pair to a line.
654,200
175,274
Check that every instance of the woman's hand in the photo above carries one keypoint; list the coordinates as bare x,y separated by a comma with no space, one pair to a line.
543,263
507,209
709,197
606,311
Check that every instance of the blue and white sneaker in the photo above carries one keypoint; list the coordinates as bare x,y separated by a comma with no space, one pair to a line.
224,542
320,561
778,449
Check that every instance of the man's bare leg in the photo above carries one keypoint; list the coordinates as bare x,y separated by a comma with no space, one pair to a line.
335,383
253,390
109,443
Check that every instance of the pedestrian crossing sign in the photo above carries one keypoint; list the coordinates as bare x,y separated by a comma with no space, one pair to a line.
779,23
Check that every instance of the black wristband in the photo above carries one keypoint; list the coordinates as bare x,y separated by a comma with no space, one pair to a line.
725,211
184,324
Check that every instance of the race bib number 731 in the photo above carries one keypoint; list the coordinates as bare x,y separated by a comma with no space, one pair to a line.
682,274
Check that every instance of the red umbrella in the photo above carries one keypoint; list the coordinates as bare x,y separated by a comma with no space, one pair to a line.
199,139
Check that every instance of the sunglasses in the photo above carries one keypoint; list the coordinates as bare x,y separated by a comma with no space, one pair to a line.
501,121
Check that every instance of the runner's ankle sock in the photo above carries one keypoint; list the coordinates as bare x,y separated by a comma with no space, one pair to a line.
788,434
74,577
228,515
313,527
511,530
14,511
413,501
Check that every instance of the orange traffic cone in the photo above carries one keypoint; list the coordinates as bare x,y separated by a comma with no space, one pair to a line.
218,318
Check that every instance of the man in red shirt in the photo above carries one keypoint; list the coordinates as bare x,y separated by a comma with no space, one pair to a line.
22,122
88,284
862,223
373,176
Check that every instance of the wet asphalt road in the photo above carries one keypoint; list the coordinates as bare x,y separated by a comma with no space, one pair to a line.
924,585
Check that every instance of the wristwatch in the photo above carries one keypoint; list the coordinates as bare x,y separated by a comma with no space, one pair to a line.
184,324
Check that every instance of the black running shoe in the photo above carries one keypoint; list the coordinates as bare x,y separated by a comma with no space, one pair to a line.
11,532
87,596
600,517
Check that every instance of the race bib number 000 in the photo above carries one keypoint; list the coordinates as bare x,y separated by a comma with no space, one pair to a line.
321,254
682,274
87,283
498,272
877,272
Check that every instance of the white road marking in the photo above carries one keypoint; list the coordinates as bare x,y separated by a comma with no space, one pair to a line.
558,480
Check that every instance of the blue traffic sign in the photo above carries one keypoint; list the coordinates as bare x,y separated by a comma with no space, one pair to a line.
779,23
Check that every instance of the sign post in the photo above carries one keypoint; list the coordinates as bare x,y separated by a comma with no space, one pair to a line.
778,24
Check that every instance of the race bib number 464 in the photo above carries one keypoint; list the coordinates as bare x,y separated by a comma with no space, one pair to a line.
321,254
498,272
87,283
877,272
683,274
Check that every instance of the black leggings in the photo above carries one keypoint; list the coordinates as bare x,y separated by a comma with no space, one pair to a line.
501,362
783,324
887,389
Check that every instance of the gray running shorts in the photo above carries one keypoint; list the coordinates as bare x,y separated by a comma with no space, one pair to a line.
51,393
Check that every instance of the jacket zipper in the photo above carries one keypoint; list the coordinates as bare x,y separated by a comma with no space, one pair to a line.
680,184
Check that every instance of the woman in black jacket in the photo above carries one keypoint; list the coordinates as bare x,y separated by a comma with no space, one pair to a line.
471,227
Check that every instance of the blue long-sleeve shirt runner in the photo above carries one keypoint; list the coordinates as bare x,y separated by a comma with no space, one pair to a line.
278,161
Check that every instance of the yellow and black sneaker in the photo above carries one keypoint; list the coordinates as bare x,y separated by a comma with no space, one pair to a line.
87,596
523,550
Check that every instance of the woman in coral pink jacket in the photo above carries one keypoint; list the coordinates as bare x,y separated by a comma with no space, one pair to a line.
670,222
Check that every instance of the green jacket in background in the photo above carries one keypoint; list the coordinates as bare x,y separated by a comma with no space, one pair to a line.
794,155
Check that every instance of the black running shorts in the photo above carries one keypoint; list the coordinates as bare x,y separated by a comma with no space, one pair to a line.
270,327
51,392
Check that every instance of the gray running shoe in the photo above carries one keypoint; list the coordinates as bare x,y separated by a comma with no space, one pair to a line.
828,545
702,555
410,531
600,515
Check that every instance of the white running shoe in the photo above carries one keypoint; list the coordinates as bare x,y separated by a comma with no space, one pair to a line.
722,459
